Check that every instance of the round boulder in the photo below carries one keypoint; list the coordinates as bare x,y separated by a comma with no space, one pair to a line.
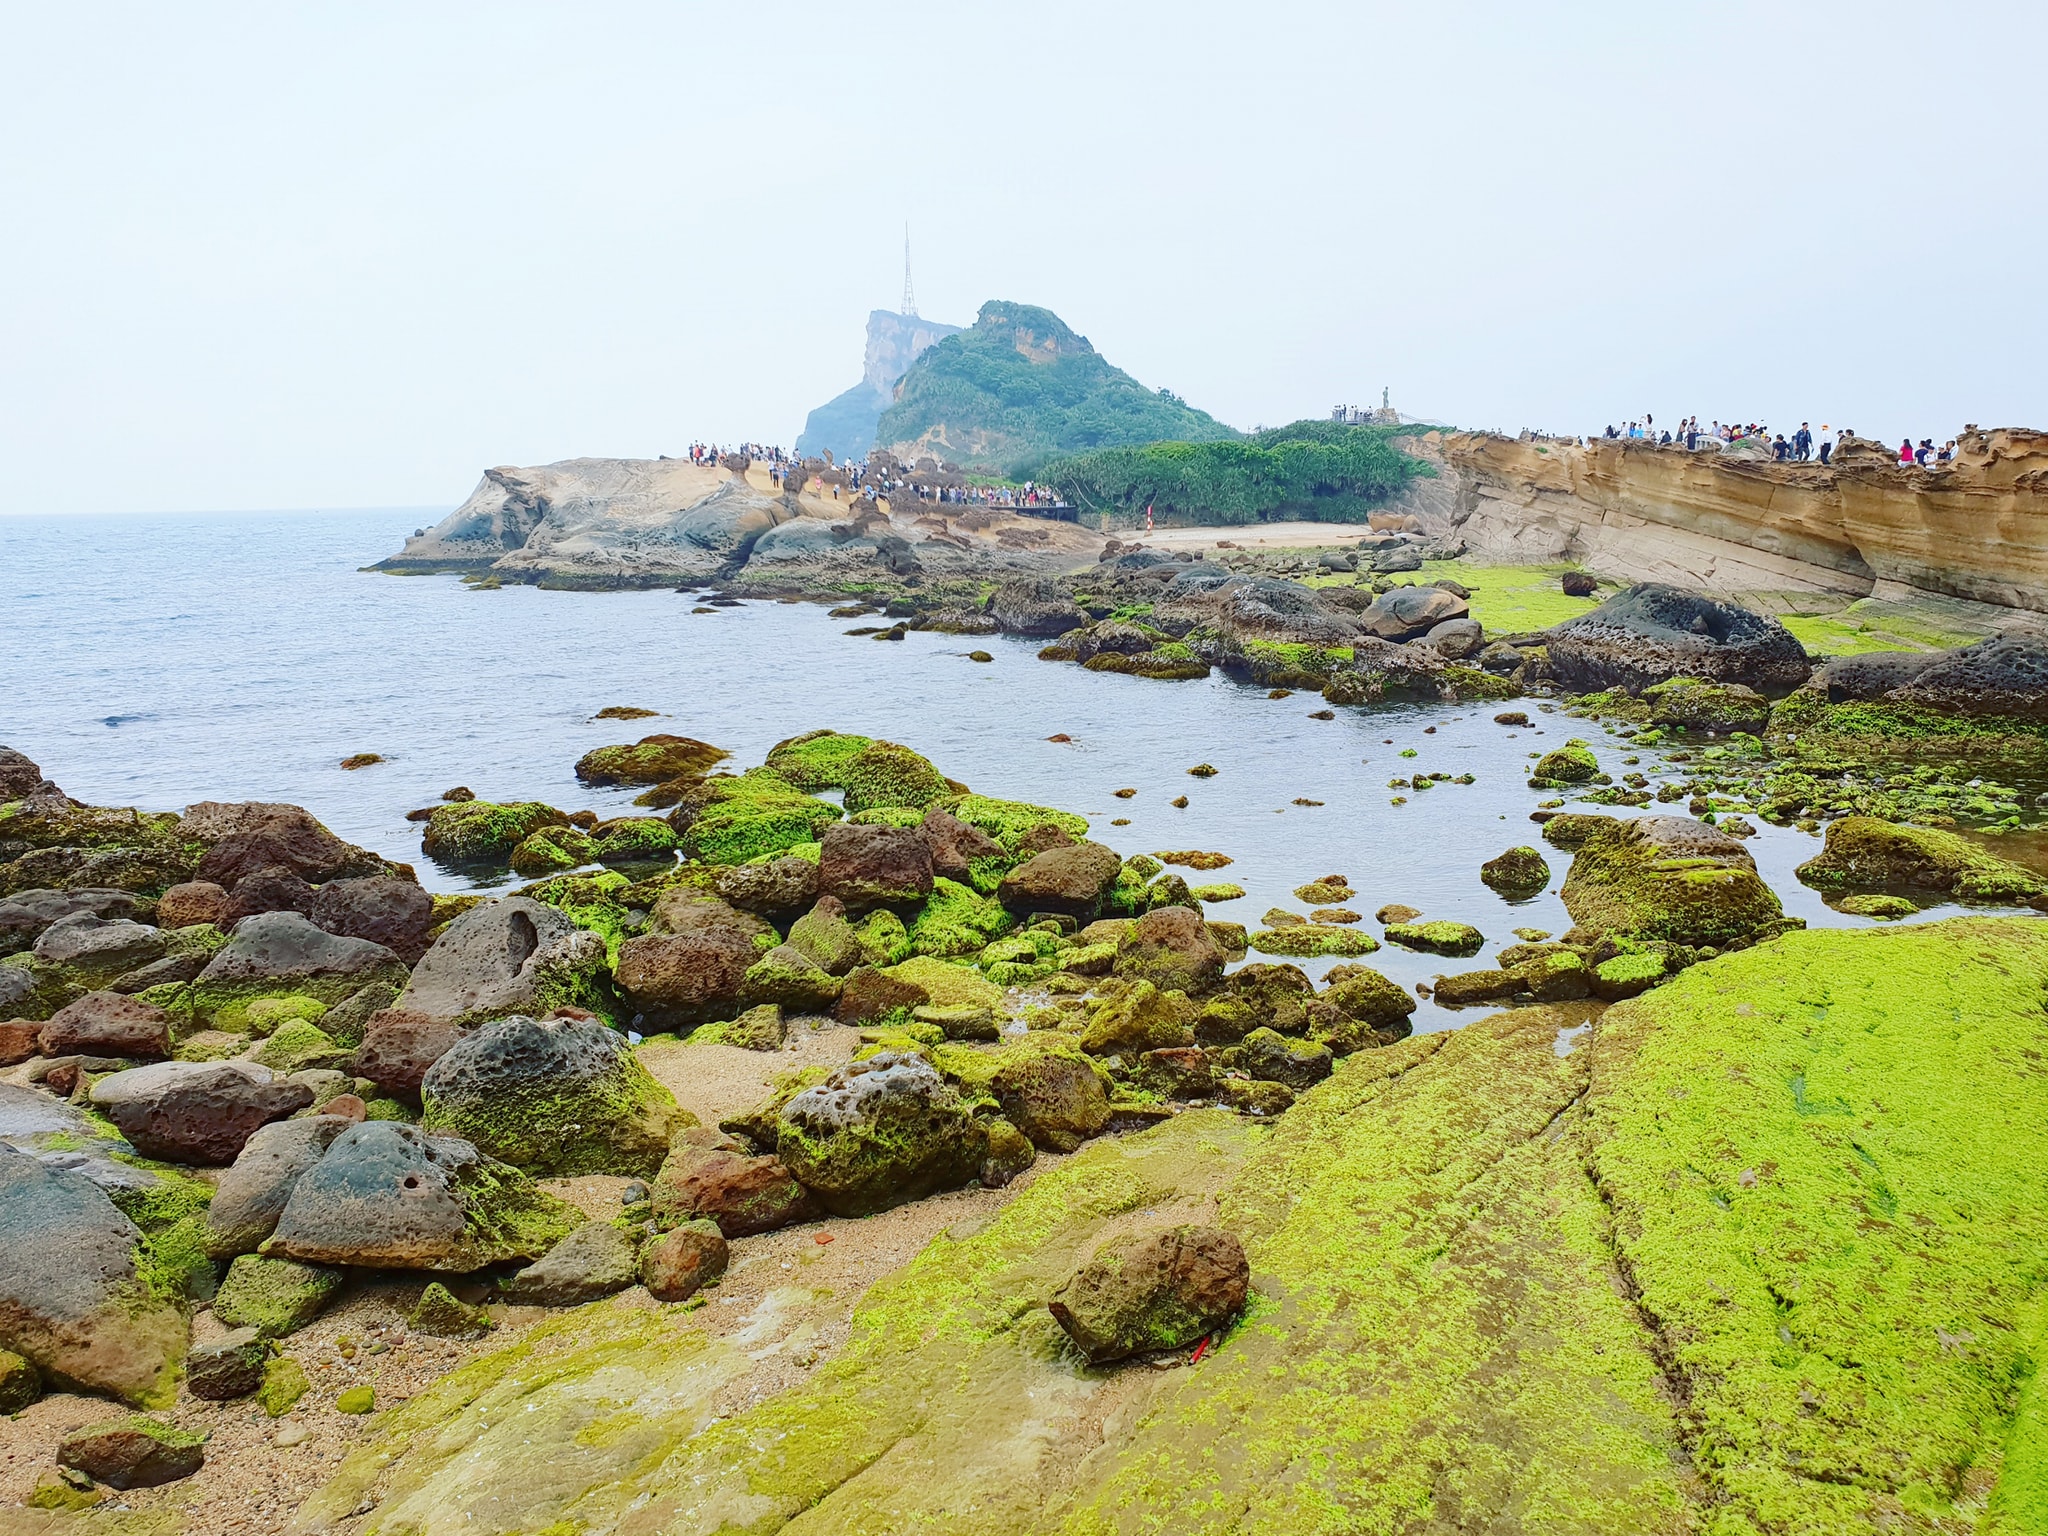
1153,1291
556,1097
877,1133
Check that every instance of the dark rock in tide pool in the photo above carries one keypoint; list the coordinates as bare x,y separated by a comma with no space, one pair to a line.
1652,633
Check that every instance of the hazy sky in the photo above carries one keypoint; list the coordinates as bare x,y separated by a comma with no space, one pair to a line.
349,255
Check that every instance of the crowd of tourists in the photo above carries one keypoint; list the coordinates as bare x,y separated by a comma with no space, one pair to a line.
861,479
1800,446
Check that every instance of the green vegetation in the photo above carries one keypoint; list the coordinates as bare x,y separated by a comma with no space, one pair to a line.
1019,388
1312,469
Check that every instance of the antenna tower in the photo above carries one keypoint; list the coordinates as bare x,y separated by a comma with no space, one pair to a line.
909,293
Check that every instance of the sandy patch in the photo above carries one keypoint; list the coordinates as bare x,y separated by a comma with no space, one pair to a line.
714,1081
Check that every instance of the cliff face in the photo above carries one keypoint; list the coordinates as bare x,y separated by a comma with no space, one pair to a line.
1864,526
845,424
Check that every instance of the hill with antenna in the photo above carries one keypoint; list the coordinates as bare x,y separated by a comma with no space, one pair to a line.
1021,387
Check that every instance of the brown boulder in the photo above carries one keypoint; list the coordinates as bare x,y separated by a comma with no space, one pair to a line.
272,889
194,902
867,994
1172,948
108,1024
18,1041
1071,880
398,1047
678,1264
381,908
195,1112
252,835
954,842
1153,1291
709,1175
685,978
866,866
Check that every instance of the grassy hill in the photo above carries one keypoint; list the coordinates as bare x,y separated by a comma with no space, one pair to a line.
1312,469
1018,388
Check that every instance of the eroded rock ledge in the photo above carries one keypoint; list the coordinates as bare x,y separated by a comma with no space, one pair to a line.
1862,526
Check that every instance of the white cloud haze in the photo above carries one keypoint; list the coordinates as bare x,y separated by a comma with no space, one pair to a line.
286,256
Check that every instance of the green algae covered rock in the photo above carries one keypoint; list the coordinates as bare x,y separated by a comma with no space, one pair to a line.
877,1133
1142,1018
1442,937
957,922
556,1097
1308,941
651,760
1831,1208
1518,873
817,760
479,831
135,1452
441,1315
274,1296
1153,1291
944,984
1835,1218
1865,854
1669,879
552,850
1884,908
1690,704
736,818
885,774
1572,763
1010,821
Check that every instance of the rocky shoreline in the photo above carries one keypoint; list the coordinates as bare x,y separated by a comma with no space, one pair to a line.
320,1138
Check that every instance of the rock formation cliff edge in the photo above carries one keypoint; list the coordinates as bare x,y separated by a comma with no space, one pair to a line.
1862,526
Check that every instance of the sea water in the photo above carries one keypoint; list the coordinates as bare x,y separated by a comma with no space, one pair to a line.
159,660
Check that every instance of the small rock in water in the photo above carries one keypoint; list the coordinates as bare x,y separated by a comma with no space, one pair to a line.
1394,912
1123,794
1281,693
1179,802
361,760
1203,771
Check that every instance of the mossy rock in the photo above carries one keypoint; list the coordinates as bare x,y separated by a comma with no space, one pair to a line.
1223,891
297,1046
1865,854
1141,1018
957,922
1886,908
1449,1238
883,938
1629,975
441,1315
1517,874
284,1383
634,840
274,1296
267,1015
1008,821
1690,704
1442,937
944,984
1307,941
597,902
552,850
479,831
738,818
886,774
1669,879
651,760
1572,763
818,759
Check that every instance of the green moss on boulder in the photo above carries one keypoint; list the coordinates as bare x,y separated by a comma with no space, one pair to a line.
1865,854
479,831
1670,879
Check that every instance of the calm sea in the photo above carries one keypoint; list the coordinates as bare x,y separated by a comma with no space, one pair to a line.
159,660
